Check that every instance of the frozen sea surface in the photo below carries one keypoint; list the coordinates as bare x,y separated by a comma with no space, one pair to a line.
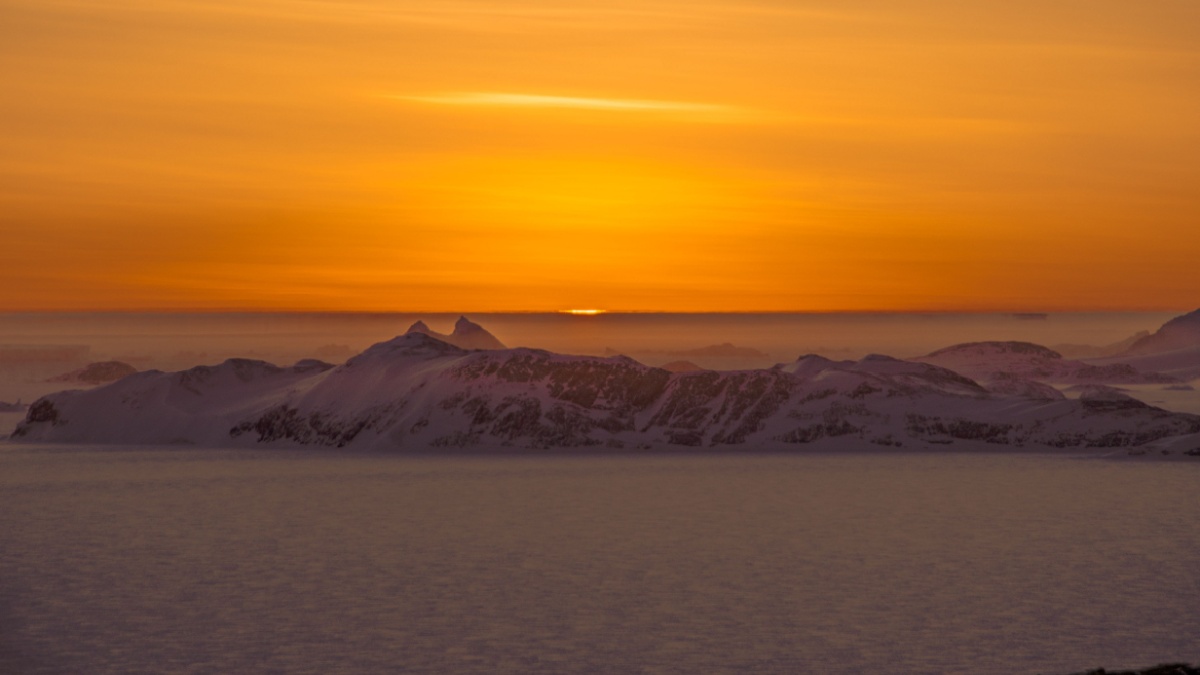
210,561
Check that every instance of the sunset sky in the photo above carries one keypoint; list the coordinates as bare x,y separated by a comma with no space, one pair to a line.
474,155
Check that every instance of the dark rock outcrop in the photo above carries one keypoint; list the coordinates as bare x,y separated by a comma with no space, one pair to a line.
1161,669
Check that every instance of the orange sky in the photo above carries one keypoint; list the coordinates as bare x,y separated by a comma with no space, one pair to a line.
478,155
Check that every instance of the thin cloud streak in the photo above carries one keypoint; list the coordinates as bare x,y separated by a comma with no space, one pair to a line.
467,15
713,112
511,100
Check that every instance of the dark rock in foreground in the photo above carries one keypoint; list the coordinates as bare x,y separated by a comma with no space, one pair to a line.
1161,669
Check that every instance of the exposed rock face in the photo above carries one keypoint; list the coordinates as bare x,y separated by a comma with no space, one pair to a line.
466,335
97,373
1178,333
722,408
419,392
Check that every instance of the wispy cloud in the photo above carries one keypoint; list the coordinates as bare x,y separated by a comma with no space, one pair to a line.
711,112
536,101
467,15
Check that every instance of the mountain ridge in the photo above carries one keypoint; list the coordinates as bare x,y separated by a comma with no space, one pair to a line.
418,392
990,361
1180,332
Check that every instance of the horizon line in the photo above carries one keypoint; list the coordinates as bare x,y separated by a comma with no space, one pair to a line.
1031,313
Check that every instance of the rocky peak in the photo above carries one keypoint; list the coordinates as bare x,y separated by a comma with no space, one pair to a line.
470,335
467,335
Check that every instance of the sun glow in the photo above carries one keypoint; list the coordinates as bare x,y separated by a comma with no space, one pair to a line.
583,312
639,156
600,196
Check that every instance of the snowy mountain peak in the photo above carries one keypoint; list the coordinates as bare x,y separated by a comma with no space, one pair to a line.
621,358
993,361
681,367
311,365
408,345
467,335
1025,349
810,364
97,373
1178,333
1191,318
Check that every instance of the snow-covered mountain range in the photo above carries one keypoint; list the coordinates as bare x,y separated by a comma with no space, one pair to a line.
418,392
1001,361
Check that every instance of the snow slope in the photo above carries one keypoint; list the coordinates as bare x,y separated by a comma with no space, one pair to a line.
1182,332
999,361
1174,350
1075,351
419,393
1182,364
